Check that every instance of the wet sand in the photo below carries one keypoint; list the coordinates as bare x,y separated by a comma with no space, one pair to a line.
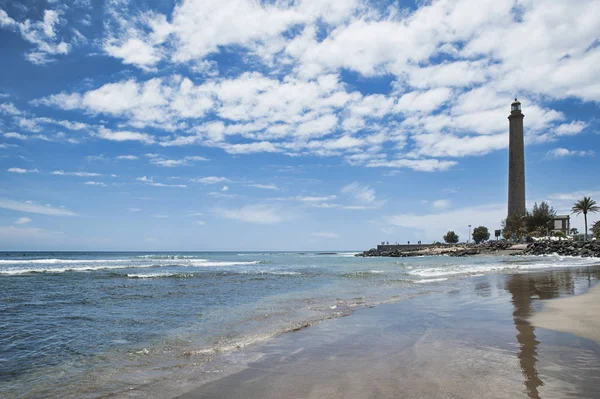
579,315
474,341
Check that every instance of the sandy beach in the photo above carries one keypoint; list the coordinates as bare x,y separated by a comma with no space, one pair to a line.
577,315
498,336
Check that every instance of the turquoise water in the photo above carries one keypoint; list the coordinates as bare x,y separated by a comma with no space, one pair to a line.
92,324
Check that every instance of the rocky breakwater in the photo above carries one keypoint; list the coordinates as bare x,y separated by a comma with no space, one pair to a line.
564,248
490,247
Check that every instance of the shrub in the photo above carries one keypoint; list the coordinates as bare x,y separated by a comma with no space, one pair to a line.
451,237
480,234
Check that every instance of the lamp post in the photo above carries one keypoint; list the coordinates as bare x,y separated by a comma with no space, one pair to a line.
469,238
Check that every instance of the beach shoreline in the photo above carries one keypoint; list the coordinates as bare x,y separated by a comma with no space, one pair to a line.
578,315
472,342
403,300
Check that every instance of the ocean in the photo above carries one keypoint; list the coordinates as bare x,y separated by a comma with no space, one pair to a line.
95,324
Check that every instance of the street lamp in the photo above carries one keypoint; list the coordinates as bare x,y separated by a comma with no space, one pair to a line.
469,238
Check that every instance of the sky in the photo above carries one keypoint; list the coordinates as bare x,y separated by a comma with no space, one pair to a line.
287,125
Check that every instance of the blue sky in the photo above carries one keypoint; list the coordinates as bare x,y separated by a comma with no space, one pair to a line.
294,125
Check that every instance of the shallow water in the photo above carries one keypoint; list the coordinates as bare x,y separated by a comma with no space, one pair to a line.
92,324
472,342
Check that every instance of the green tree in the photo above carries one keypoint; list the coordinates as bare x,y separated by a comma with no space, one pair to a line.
514,227
480,234
574,231
596,229
560,235
539,221
451,237
585,206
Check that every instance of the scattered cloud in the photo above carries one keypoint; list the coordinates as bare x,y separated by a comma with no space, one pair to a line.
127,157
30,207
41,34
95,183
264,186
574,195
150,181
363,195
170,163
564,152
22,171
79,174
441,204
259,214
432,227
22,220
210,180
315,198
124,135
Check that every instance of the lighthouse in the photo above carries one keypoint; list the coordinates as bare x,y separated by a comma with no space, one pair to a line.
516,161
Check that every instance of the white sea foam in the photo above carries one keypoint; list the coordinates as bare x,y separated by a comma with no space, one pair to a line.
347,254
430,280
85,266
85,261
521,264
59,261
284,273
155,275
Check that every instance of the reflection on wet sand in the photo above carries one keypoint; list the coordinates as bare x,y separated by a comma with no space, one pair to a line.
524,289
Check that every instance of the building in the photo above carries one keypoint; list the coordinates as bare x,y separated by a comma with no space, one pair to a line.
561,223
516,161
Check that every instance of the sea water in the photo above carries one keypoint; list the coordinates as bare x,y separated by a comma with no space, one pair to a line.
91,324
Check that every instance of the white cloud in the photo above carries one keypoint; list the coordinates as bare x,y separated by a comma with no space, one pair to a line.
200,222
167,185
79,174
225,188
574,195
422,165
264,186
453,71
30,207
145,179
127,157
134,51
13,135
211,180
150,182
95,183
362,194
22,220
323,234
170,163
564,152
259,214
107,134
441,204
433,226
17,235
22,171
9,109
315,198
42,34
571,129
134,209
160,216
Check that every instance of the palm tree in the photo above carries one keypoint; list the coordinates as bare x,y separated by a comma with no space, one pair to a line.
585,205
